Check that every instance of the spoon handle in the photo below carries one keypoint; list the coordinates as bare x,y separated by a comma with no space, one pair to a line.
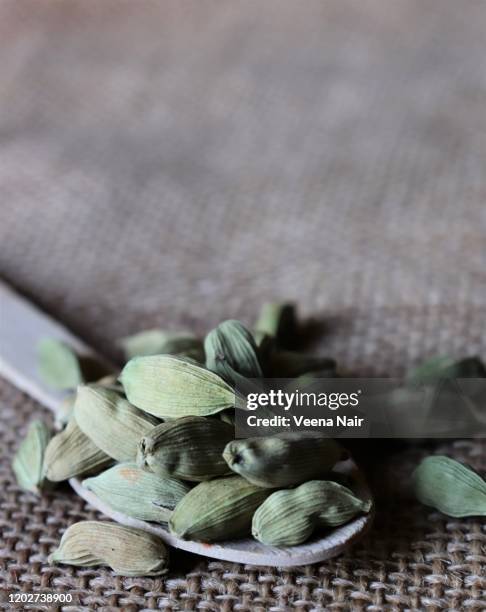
22,327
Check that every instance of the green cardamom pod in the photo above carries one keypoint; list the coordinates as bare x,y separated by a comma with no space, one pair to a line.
29,459
279,321
128,551
173,387
59,367
189,448
217,510
450,486
289,517
283,459
440,368
71,453
159,342
111,422
142,495
231,352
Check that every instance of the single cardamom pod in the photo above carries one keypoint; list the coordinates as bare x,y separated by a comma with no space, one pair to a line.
279,321
450,486
217,510
128,551
443,394
289,517
71,453
111,422
231,352
283,459
142,495
29,458
189,448
173,387
159,342
59,367
441,368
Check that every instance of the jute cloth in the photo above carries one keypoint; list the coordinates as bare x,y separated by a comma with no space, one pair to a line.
178,163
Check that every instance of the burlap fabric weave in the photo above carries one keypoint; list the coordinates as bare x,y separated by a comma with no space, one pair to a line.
177,163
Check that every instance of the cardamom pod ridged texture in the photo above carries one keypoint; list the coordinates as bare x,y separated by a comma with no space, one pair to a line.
137,493
128,551
159,342
283,459
189,448
450,486
59,367
289,517
216,510
28,462
111,422
231,351
71,453
173,387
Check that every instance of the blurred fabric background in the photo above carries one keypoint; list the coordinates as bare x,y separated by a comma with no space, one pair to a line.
176,163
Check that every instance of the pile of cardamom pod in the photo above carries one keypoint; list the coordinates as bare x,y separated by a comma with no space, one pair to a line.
156,443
